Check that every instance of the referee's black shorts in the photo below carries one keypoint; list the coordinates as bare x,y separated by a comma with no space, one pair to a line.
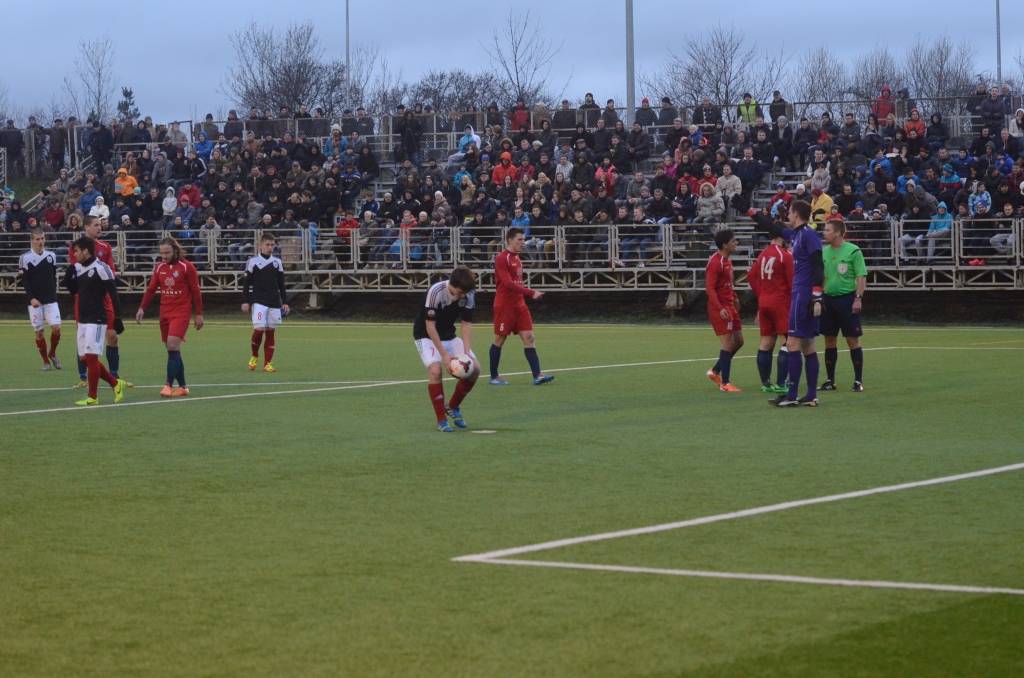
837,315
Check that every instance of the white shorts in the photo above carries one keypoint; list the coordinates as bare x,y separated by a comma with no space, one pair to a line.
92,339
429,355
47,314
264,318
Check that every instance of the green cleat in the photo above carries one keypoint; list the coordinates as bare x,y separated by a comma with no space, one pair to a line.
119,388
780,389
87,402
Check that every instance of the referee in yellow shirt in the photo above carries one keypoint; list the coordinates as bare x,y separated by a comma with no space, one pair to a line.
845,280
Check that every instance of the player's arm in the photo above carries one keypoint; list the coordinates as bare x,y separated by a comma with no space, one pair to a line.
503,272
247,289
192,278
282,291
861,271
111,286
26,281
754,276
466,332
710,286
817,281
147,297
71,280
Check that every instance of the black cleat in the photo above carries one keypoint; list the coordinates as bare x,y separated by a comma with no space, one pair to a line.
807,401
783,401
858,387
829,385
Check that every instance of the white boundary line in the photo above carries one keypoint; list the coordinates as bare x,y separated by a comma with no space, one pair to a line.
249,383
502,556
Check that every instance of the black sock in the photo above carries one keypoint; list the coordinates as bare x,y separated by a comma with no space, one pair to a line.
81,368
764,366
531,357
172,366
113,360
782,367
495,359
831,358
725,362
857,356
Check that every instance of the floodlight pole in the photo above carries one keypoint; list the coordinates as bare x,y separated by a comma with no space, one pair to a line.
630,69
348,61
999,45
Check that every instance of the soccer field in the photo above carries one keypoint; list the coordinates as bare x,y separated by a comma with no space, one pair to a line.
312,521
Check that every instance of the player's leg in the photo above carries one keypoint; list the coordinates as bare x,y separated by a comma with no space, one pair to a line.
494,355
530,351
831,358
113,353
731,343
811,366
174,348
852,332
259,325
91,345
41,347
462,386
765,348
35,318
270,342
782,365
829,323
794,370
435,389
51,313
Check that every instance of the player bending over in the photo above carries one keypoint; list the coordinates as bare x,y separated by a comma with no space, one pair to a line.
771,279
845,281
723,308
434,334
264,292
511,314
804,307
178,284
38,270
93,282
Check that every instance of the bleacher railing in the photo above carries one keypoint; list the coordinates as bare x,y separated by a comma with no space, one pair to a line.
981,253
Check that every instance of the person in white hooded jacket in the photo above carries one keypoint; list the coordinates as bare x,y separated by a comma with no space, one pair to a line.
469,138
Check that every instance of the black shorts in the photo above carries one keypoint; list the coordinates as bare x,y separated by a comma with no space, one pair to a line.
837,314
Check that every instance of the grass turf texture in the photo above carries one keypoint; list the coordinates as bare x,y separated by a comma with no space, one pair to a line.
312,534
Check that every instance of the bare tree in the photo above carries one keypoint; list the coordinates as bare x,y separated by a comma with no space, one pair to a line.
521,58
456,90
938,68
722,65
820,77
5,102
275,69
873,70
90,86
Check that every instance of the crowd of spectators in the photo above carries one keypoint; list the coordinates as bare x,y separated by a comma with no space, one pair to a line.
533,167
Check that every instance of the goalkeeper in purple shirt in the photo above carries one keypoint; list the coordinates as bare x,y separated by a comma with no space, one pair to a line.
804,308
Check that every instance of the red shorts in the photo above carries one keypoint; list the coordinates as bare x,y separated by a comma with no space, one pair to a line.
512,320
733,324
175,326
773,319
108,306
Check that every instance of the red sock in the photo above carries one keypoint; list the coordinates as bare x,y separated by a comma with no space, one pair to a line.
41,345
257,339
268,347
92,366
436,392
54,340
462,389
105,374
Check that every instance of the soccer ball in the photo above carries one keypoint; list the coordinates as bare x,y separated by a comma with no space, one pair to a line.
463,367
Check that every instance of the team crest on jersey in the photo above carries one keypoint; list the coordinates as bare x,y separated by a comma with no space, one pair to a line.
175,274
169,281
842,268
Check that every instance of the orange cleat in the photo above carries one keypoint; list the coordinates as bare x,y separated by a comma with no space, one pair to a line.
717,378
167,391
729,388
179,392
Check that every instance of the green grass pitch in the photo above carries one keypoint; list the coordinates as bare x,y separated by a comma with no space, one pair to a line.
313,533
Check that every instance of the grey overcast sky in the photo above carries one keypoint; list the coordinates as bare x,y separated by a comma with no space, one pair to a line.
175,55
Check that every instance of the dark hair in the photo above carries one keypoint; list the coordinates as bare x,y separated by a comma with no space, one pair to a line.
802,209
512,233
86,243
463,279
724,237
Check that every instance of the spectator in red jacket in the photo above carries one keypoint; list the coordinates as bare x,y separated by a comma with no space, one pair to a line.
503,169
345,231
519,115
884,104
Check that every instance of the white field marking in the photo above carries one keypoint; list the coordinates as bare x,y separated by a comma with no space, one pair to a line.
251,383
254,394
375,384
785,578
733,515
961,348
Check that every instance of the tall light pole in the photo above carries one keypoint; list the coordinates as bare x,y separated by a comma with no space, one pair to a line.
348,59
630,69
999,46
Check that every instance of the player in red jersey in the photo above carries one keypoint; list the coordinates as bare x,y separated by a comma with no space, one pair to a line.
178,284
511,314
771,279
723,308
